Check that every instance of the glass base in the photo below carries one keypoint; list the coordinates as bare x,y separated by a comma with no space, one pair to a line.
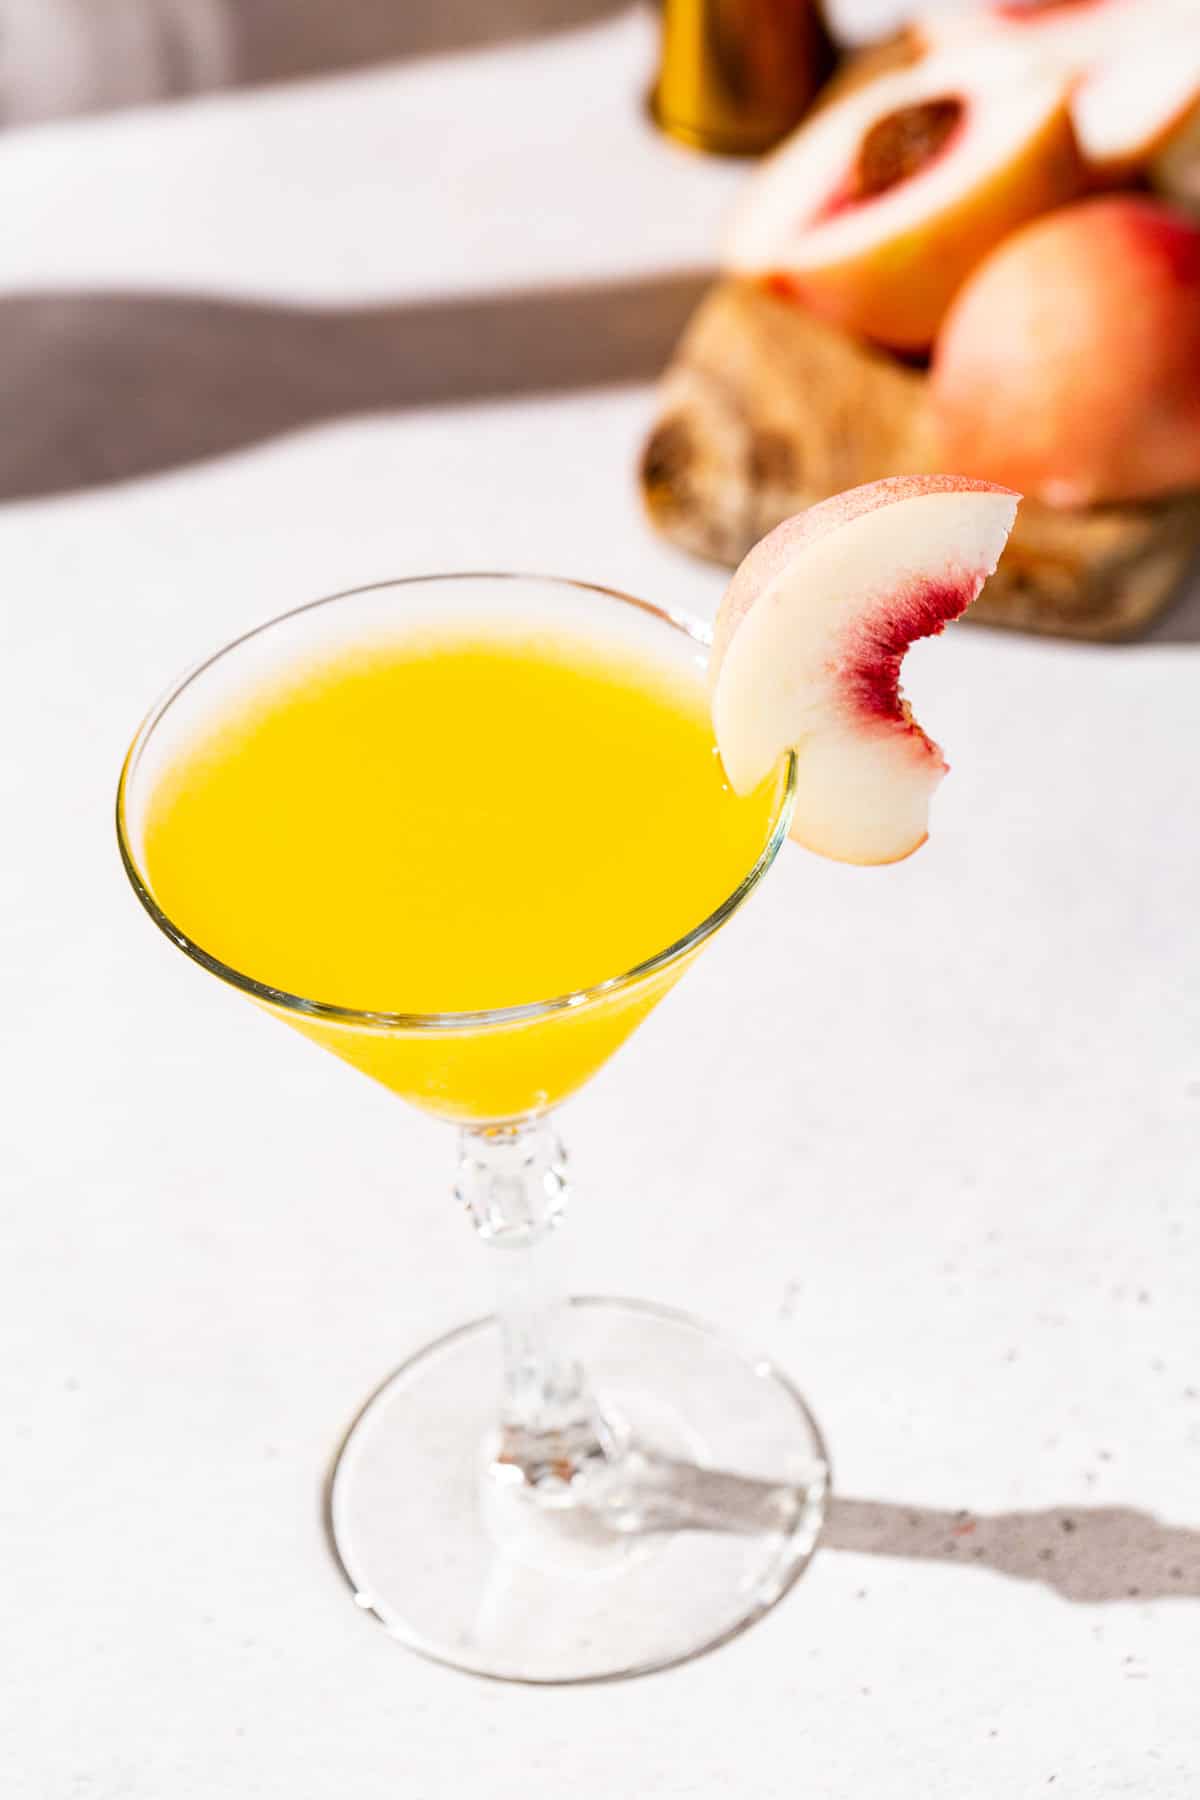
701,1521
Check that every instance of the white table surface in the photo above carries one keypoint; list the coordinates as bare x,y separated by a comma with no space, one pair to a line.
930,1135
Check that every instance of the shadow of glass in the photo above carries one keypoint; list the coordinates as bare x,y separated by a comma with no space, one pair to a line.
60,57
100,388
1086,1554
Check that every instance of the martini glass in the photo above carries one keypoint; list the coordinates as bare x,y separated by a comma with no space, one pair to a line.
567,1490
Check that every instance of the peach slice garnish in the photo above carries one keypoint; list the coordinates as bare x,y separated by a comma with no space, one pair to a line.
1070,362
808,645
877,209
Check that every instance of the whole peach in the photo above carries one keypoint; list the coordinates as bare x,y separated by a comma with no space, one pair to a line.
1069,364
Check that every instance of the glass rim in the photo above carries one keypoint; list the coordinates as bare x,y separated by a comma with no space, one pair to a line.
488,1018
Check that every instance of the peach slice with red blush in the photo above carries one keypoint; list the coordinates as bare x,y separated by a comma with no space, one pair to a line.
808,645
876,210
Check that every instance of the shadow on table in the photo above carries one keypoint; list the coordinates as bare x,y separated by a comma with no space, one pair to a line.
104,387
1088,1554
61,57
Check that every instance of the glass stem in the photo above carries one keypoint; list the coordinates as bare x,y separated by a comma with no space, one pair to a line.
512,1180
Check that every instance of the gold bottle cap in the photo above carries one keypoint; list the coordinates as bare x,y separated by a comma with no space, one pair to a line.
737,75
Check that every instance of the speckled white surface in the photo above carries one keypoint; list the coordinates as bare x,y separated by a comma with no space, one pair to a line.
931,1135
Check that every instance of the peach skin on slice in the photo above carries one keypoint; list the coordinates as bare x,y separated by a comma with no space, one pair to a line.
808,644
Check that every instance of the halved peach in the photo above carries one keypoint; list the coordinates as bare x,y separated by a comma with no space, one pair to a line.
1127,111
878,208
1070,33
808,645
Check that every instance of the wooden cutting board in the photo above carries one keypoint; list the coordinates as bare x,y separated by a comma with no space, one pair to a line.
766,409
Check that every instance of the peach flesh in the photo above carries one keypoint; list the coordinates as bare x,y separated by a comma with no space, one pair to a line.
1072,36
904,143
771,556
869,677
1134,108
808,645
1039,20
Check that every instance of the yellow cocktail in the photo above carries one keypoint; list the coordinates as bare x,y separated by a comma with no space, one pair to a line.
465,832
457,821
